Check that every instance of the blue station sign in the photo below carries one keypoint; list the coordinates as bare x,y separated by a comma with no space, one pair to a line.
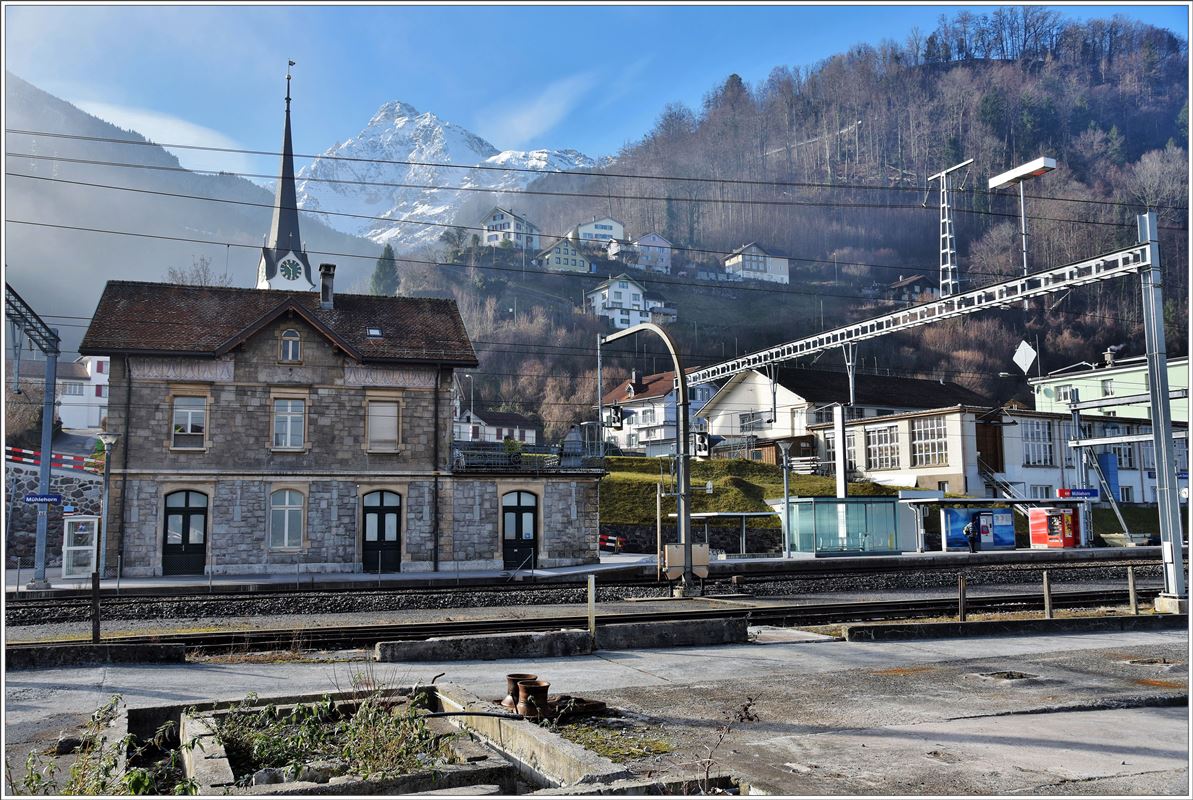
43,498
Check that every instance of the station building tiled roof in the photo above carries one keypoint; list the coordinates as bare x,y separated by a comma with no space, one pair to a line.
137,318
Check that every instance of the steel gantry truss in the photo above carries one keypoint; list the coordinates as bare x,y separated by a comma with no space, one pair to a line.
23,317
1142,259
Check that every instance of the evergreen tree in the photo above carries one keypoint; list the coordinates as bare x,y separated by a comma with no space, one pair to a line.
385,274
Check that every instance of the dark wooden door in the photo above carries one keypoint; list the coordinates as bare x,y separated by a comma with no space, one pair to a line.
382,550
989,441
519,511
184,546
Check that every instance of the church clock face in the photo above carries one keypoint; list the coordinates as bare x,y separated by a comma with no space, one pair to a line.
291,269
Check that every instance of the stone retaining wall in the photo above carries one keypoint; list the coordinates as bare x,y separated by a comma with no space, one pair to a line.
83,492
641,538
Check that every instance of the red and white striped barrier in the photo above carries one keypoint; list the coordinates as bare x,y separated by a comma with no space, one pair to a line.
70,461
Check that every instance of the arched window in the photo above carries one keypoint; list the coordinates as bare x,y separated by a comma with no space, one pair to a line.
291,346
184,546
285,518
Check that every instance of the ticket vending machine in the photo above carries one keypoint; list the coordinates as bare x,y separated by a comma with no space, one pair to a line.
78,545
1053,528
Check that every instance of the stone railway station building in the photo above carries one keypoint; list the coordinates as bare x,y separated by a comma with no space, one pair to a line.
265,429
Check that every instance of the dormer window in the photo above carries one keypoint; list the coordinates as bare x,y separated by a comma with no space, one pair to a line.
291,346
373,333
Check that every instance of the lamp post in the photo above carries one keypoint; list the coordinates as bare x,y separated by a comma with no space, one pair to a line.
109,440
785,446
1018,176
471,399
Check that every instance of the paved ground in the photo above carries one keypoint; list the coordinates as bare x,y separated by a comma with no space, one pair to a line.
832,717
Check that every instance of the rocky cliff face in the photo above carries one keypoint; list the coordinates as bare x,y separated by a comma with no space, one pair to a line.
405,168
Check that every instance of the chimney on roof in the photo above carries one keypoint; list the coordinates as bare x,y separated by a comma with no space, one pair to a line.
634,377
327,293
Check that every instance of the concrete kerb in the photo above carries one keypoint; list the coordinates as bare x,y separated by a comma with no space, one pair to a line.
713,783
936,630
71,655
543,757
620,636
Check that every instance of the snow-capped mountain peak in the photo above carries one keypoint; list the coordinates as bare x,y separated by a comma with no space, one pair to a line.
393,169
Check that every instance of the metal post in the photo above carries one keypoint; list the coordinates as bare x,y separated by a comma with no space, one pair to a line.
43,482
1134,597
840,456
1047,591
102,550
743,535
658,529
961,598
784,528
600,403
1152,280
592,606
1082,473
1023,239
95,606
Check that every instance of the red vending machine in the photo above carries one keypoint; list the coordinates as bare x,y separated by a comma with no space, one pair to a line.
1053,527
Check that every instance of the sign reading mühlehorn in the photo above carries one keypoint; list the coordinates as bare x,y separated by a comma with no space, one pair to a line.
43,498
1090,494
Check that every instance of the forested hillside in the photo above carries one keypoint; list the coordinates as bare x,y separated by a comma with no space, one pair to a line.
828,164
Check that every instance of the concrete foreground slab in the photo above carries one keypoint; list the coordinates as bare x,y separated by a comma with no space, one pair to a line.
1089,713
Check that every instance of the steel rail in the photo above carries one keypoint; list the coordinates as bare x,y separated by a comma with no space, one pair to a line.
339,637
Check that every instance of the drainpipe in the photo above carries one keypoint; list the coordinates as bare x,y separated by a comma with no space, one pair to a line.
435,467
128,410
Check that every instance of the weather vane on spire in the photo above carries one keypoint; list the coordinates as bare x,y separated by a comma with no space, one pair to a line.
289,64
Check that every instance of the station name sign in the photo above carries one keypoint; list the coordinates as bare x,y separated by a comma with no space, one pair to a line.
43,498
1087,494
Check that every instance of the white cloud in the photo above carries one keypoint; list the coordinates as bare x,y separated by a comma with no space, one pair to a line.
512,124
164,128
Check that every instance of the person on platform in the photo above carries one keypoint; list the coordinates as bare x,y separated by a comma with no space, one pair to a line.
972,535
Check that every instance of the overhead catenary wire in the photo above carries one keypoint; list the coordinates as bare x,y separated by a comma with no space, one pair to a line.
506,168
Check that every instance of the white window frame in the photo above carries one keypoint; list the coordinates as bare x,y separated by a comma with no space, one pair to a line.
1041,491
882,448
290,414
293,516
1038,446
290,347
929,442
376,403
189,415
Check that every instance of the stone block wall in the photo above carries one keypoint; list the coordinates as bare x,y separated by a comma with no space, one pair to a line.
84,492
470,533
641,538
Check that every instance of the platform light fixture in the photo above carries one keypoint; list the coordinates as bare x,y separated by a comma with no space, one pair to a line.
1019,175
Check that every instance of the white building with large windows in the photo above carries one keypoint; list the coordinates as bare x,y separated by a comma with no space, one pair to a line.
977,451
750,262
600,231
1115,377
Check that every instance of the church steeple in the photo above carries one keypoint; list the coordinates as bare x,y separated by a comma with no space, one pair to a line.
284,264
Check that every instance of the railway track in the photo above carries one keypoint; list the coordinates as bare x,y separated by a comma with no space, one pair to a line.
346,637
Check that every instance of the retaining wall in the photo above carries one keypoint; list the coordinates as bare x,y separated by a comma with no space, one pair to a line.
83,492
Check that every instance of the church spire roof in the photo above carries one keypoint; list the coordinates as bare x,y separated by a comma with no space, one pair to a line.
284,233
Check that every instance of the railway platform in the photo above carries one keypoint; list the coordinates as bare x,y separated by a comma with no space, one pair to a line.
618,566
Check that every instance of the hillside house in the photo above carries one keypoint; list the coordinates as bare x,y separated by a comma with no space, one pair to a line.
625,302
502,225
751,262
650,252
565,256
600,231
485,425
913,289
648,412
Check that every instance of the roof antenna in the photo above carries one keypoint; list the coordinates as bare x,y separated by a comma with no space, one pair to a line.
289,64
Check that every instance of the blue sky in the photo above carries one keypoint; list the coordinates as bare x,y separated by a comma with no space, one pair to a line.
591,78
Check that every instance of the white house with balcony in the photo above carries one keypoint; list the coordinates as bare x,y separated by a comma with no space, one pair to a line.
648,412
650,252
750,262
502,225
984,452
625,302
598,232
1115,377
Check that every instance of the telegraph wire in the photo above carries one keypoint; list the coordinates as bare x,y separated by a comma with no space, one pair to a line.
575,173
